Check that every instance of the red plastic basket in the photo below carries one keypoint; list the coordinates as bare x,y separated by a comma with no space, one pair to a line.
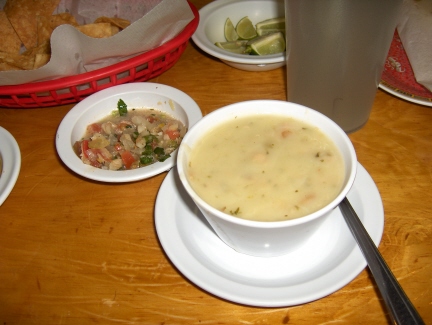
75,88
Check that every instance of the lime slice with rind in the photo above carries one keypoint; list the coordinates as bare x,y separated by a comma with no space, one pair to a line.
267,44
239,46
229,31
245,29
270,26
263,32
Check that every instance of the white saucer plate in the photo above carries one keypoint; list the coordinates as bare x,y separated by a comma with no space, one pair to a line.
327,262
11,157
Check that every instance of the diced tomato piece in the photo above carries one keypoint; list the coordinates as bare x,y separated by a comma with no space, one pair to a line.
124,125
118,146
151,118
173,134
90,157
84,147
128,158
286,133
94,128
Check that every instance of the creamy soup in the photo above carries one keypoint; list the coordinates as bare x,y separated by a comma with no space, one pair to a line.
266,168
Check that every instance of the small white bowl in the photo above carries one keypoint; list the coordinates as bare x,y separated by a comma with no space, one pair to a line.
260,238
11,157
101,104
211,30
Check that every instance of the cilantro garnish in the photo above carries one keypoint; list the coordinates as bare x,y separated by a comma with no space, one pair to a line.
122,107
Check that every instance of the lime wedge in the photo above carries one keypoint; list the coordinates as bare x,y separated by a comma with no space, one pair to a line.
267,44
234,47
230,32
271,26
245,29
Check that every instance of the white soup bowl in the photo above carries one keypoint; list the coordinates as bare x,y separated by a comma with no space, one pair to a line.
266,238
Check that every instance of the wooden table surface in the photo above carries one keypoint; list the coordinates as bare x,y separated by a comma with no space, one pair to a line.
74,251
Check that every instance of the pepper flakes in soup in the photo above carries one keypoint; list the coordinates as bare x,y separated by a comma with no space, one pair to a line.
266,168
130,138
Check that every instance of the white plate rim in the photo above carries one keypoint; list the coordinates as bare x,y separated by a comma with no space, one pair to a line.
10,153
70,159
412,99
248,294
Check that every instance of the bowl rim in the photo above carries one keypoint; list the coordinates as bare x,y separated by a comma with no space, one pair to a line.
352,167
201,40
11,156
65,129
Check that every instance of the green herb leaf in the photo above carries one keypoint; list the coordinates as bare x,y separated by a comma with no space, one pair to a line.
163,158
122,107
160,154
149,138
159,151
145,160
148,150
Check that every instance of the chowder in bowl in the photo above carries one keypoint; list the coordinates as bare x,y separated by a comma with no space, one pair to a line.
266,173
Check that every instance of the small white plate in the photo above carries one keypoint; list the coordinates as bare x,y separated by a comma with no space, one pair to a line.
11,156
326,263
99,105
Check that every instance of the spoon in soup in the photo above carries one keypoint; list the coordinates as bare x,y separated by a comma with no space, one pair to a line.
398,304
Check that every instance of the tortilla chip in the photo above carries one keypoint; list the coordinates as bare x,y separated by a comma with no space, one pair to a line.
44,29
4,66
63,18
22,14
21,62
40,60
30,59
119,22
7,61
98,30
47,24
10,42
44,48
114,30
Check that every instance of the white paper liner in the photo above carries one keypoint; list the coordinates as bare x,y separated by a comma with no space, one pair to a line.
415,32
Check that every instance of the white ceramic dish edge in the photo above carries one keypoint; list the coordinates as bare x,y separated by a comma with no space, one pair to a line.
210,264
412,99
11,156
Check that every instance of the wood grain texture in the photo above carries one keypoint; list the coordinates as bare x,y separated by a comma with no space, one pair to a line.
74,251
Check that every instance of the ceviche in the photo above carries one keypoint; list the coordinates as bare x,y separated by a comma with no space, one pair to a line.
130,138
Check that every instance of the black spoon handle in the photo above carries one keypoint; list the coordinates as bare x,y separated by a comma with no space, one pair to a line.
400,307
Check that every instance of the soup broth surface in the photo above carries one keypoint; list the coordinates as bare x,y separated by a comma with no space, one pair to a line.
266,168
